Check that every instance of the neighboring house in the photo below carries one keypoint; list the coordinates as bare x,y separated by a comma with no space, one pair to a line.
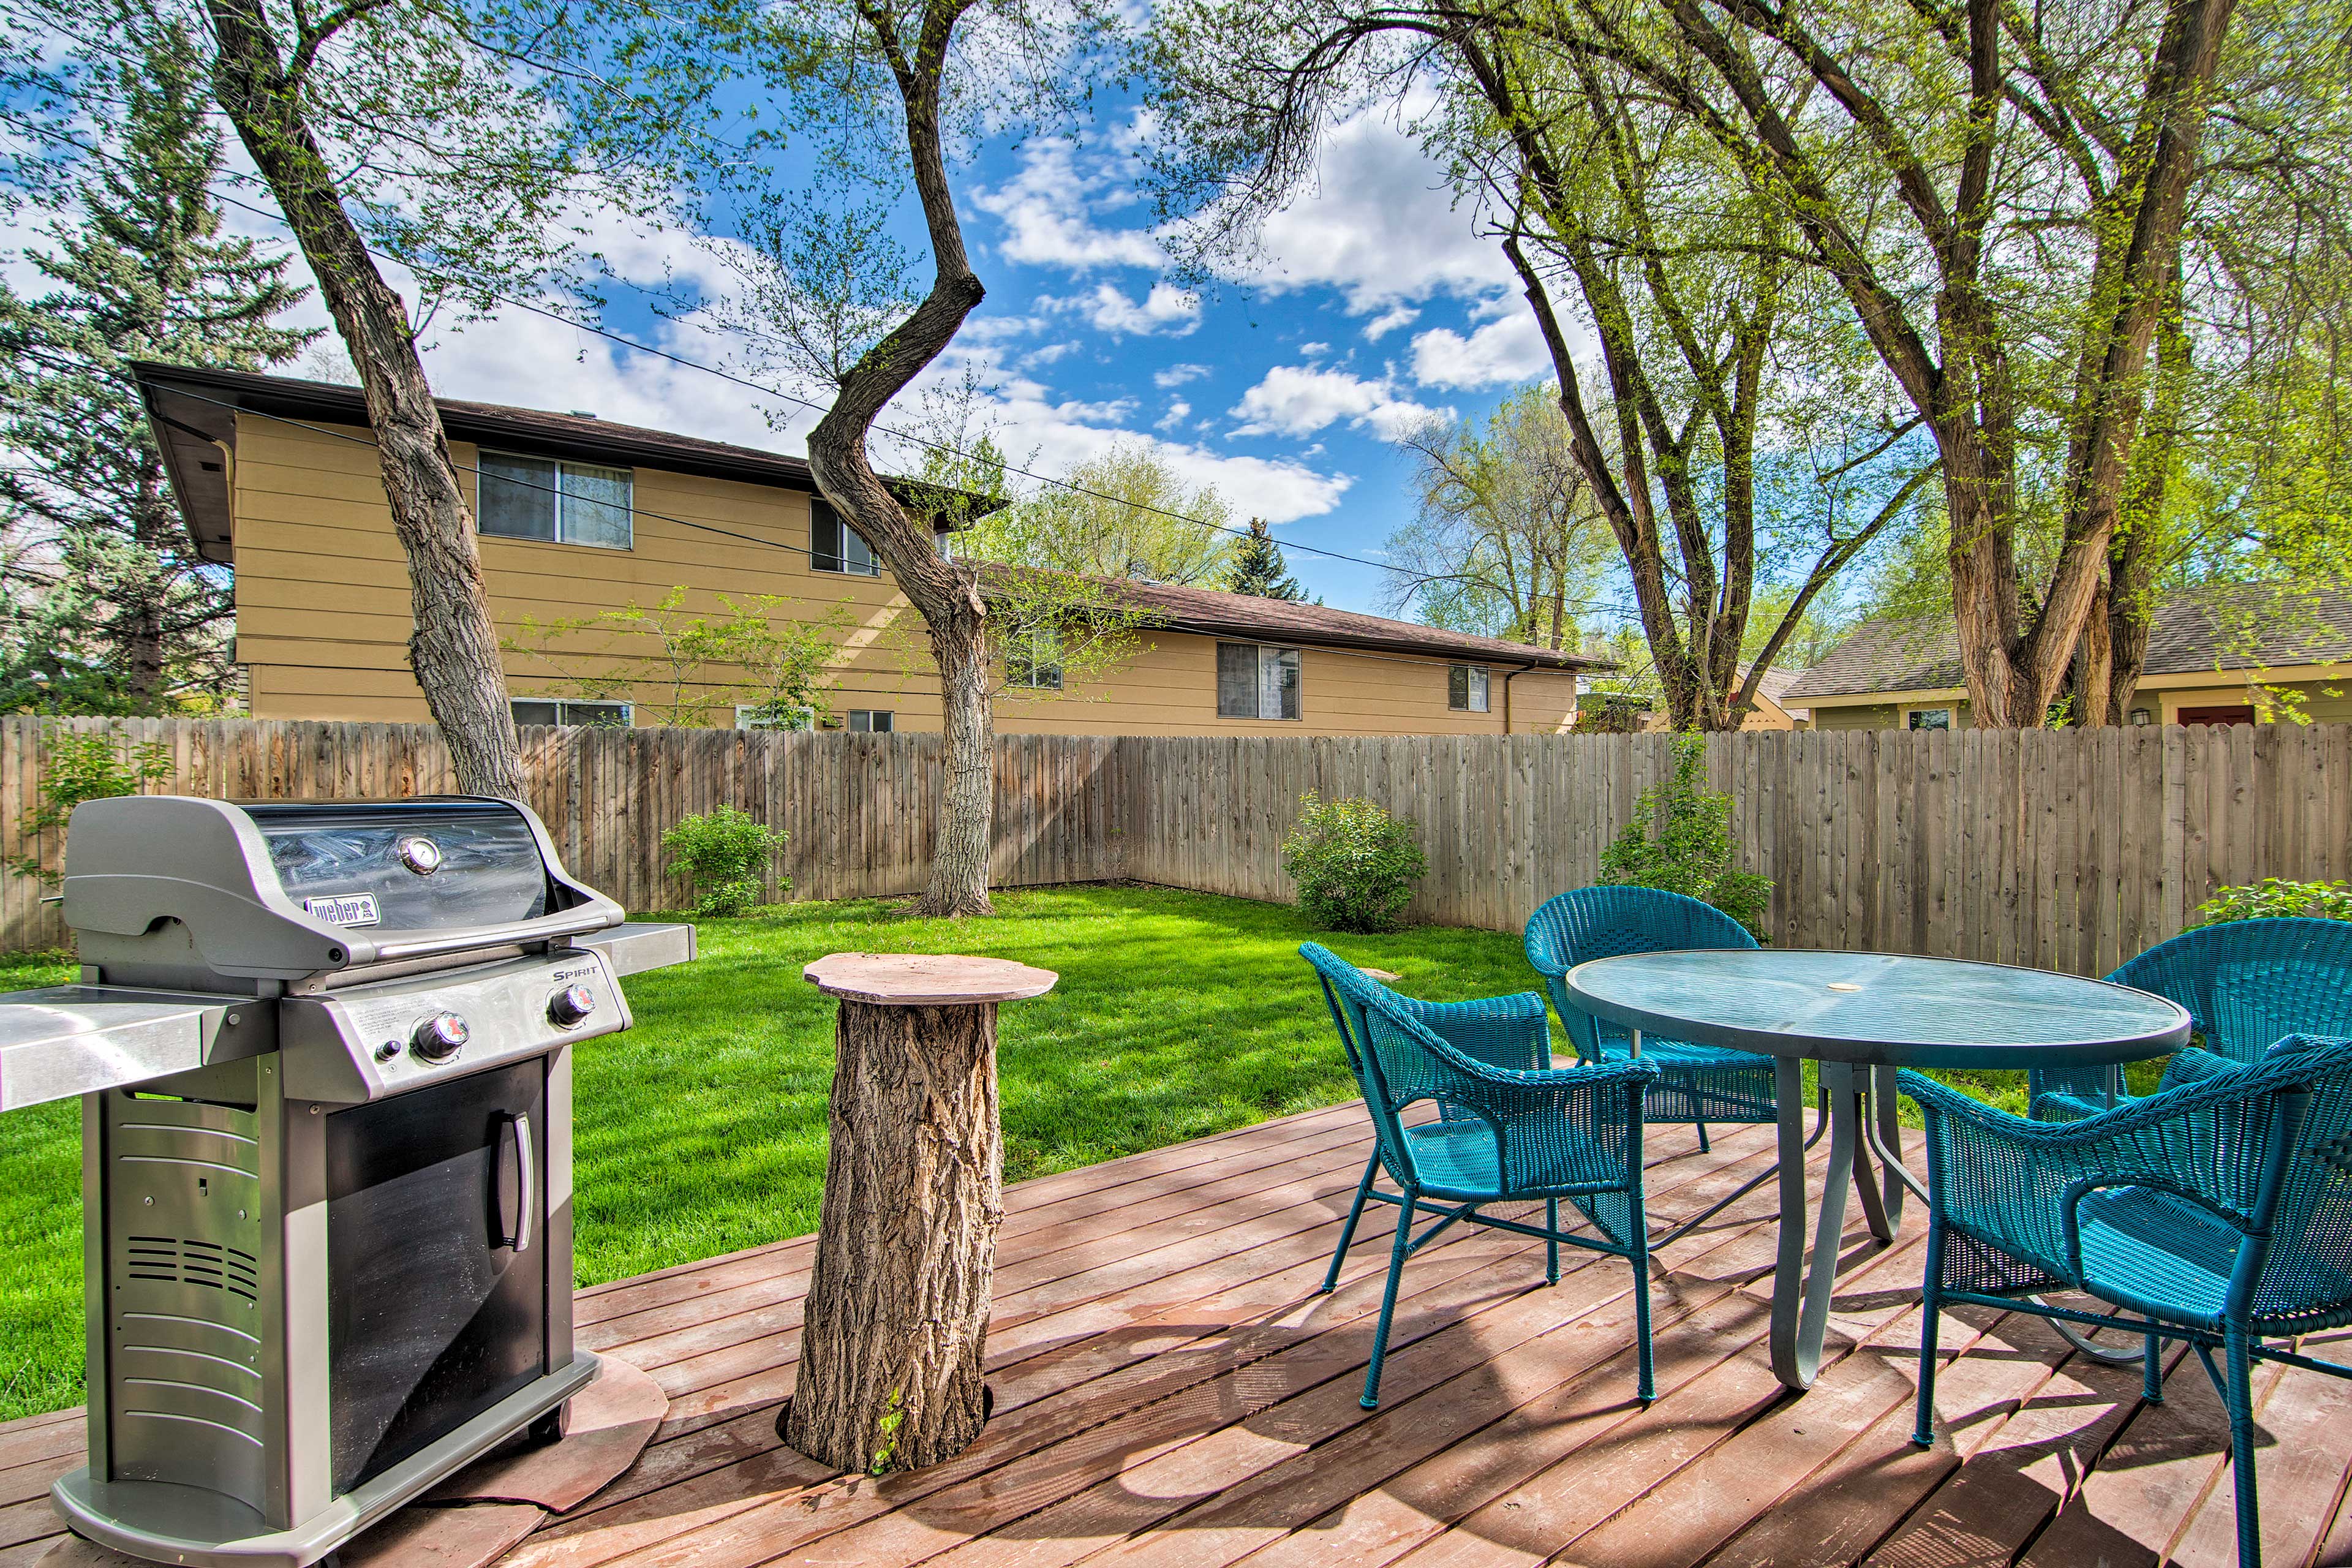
579,516
1768,712
2227,655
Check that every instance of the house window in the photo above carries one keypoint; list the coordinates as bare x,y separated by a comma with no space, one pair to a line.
559,503
871,722
1465,688
760,716
1256,680
834,546
554,711
1929,718
1036,661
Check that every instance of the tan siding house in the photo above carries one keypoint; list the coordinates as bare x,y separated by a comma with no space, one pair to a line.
2226,656
278,478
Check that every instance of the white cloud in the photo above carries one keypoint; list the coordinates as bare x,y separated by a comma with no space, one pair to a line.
1048,212
1389,321
1315,351
1296,400
1176,415
1380,224
1166,311
1177,375
1506,350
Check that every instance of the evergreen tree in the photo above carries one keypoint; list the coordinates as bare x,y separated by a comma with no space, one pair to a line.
108,607
1260,570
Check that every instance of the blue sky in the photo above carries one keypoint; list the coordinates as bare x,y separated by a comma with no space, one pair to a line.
1372,302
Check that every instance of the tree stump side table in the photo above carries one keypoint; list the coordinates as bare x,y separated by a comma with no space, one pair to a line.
897,1318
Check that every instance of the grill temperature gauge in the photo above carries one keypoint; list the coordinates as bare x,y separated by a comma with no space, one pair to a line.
570,1007
440,1037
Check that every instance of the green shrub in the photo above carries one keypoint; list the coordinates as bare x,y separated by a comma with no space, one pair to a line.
2272,899
1354,864
1680,840
723,854
84,764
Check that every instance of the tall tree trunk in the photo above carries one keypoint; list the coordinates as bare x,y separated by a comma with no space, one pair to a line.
945,593
453,645
896,1328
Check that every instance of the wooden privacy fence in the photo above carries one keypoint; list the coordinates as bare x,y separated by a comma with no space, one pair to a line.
859,809
2069,849
2065,850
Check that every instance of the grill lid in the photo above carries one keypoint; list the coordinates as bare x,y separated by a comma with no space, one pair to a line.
176,891
404,865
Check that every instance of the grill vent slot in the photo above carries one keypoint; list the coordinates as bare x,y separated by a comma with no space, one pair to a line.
184,1260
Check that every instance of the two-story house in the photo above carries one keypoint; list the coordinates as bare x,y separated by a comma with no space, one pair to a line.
579,516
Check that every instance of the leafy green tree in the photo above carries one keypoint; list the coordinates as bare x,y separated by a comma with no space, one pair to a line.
1507,542
1259,570
110,609
1126,514
467,144
757,653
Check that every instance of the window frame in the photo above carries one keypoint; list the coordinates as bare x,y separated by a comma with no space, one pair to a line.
746,718
627,710
1298,659
1911,717
823,511
1477,688
482,455
888,715
1026,668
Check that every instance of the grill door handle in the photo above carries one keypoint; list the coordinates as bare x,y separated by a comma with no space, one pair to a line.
526,1187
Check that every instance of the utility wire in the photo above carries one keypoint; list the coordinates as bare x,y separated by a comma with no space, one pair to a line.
1419,579
636,512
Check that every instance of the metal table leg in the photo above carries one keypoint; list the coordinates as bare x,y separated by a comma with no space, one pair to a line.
1802,1288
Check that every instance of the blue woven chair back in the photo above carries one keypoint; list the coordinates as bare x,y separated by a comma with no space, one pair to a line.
2306,1279
2251,983
1350,992
1609,923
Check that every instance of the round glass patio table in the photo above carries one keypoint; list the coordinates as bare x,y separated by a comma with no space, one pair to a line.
1860,1016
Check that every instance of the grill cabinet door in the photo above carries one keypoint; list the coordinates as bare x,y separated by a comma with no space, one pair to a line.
434,1313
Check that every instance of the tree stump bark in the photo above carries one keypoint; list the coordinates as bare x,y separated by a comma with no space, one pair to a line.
897,1318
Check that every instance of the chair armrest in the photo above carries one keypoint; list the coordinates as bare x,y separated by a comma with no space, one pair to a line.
2017,1181
2056,1107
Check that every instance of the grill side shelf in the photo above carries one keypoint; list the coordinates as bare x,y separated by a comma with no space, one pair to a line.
640,945
61,1041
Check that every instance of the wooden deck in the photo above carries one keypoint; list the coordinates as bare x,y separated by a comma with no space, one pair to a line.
1168,1390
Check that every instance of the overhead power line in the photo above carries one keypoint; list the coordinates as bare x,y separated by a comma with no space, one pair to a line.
269,215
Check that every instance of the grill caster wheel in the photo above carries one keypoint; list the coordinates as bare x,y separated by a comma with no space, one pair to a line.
549,1429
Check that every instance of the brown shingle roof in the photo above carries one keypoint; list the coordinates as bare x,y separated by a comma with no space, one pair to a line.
2243,626
1216,614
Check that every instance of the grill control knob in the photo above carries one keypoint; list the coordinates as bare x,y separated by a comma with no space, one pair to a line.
440,1037
570,1007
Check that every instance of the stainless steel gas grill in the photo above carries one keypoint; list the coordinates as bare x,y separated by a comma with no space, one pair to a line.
323,1051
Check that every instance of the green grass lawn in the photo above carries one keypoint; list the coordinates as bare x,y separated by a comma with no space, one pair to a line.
702,1130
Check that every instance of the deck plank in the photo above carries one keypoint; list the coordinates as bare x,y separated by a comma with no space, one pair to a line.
1172,1393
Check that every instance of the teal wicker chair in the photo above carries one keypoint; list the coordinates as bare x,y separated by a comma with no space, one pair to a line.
2217,1211
2246,983
1696,1083
1509,1129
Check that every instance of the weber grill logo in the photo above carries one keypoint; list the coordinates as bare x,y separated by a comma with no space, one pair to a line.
343,909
